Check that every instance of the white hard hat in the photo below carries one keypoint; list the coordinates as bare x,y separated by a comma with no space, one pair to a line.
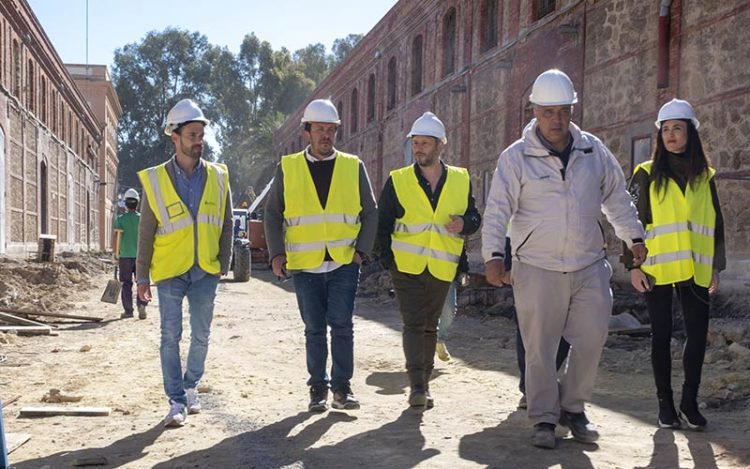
184,111
553,88
428,124
677,109
321,110
131,194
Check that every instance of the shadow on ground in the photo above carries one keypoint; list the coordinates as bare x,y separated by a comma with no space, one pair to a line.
398,444
120,453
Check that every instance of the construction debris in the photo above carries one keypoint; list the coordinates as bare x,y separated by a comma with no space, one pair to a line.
68,411
15,440
52,315
54,396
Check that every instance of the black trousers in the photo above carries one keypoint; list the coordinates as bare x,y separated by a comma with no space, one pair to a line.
127,273
695,306
420,299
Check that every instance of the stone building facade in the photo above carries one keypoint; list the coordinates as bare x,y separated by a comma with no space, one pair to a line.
96,85
50,143
473,64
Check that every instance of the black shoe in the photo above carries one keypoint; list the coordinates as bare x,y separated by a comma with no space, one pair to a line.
142,312
418,397
343,399
544,435
318,397
668,417
126,315
429,401
689,409
582,430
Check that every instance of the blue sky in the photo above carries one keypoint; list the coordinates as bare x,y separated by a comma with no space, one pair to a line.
284,23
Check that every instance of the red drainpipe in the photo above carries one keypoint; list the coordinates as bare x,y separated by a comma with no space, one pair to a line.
662,66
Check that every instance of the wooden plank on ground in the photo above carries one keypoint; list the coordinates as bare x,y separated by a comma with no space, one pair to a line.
51,315
29,330
15,440
10,401
13,319
636,331
52,411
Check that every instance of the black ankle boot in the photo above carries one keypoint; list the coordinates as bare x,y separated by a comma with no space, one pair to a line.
668,417
689,408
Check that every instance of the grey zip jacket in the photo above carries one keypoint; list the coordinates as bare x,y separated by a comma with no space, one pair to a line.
556,212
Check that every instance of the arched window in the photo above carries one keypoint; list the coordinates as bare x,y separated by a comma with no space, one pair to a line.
43,104
488,25
416,65
392,83
30,91
371,98
16,69
449,42
354,118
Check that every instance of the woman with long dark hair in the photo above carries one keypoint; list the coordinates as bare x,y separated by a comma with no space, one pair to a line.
678,205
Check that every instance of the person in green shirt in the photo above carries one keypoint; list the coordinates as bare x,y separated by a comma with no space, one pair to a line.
126,250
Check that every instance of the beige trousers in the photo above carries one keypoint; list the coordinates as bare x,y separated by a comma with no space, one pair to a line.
574,305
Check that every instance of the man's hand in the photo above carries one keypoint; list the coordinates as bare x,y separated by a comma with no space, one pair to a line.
456,225
639,280
639,253
278,265
357,258
144,292
494,271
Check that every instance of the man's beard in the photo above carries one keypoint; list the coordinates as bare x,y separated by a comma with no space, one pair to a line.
194,152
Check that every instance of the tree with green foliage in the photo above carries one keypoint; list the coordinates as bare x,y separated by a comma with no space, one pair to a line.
246,96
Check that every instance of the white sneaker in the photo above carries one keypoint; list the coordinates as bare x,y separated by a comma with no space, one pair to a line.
177,415
193,403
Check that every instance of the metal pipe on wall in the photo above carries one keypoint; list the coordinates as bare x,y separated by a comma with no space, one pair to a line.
662,66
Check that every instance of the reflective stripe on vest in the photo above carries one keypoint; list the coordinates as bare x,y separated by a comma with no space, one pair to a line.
680,238
311,229
175,238
420,239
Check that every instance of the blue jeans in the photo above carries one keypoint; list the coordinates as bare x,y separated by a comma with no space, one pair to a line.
448,313
327,300
200,294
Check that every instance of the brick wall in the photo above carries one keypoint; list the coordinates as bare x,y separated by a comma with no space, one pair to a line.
609,49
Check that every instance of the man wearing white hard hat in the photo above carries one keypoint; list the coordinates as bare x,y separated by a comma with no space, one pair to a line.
126,249
320,221
555,182
184,247
424,210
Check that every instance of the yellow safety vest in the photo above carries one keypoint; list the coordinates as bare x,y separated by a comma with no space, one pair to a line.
680,237
420,239
311,229
174,242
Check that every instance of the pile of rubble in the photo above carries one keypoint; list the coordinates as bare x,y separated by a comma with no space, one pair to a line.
46,286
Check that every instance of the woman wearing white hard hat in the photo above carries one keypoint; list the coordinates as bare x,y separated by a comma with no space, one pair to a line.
678,204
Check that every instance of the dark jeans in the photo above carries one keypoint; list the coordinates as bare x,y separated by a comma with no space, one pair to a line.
695,305
420,300
327,300
562,354
127,273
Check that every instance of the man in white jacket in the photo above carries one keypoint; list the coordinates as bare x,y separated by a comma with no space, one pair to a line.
554,183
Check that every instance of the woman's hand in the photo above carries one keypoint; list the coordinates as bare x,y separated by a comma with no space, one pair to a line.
639,280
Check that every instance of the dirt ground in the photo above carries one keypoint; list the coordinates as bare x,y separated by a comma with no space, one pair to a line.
254,397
